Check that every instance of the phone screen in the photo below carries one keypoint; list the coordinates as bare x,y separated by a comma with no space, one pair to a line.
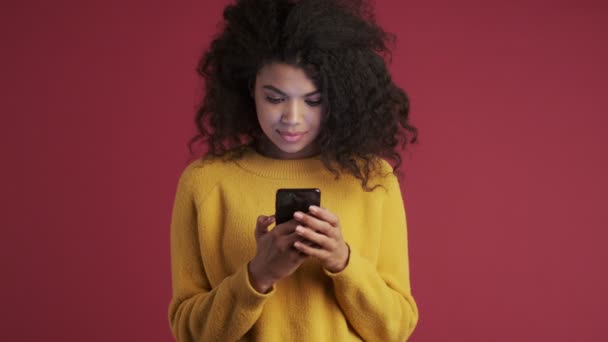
289,201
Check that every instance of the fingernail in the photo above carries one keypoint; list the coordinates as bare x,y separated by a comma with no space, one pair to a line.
298,215
300,229
313,208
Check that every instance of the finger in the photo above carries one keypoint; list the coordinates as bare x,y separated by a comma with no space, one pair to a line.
324,215
310,251
321,240
286,227
261,225
309,243
313,223
291,239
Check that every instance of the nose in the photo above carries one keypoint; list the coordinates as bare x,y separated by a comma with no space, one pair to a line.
292,113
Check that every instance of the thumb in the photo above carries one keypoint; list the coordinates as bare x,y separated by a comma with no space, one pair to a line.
261,225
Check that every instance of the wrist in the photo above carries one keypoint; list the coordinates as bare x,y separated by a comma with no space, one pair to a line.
260,283
344,261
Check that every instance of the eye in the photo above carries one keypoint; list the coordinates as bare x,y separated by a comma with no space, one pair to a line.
314,103
274,100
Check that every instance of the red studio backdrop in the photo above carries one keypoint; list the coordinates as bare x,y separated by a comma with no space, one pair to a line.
505,194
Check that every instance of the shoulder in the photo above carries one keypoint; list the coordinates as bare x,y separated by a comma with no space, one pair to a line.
382,174
202,174
384,167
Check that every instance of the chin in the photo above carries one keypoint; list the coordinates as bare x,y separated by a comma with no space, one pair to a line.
293,150
293,147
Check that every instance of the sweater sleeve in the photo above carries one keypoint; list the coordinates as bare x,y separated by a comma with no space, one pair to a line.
198,312
376,298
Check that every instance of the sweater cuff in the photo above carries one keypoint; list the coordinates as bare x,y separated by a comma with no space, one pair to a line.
353,269
243,290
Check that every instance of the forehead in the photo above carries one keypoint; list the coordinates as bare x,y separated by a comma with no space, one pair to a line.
289,79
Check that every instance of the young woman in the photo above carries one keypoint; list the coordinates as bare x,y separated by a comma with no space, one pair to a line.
297,95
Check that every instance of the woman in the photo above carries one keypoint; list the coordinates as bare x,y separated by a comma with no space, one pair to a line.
297,95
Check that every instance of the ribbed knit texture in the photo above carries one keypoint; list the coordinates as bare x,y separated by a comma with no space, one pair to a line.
212,240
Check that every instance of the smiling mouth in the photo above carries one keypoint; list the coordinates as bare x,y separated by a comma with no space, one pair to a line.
291,136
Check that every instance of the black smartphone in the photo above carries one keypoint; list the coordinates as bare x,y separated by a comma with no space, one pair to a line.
289,201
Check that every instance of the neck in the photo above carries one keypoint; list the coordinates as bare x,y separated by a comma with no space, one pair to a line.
266,148
268,167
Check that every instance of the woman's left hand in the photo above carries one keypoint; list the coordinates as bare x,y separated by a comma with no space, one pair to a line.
322,228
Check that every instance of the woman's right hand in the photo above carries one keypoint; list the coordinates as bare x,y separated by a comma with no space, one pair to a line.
275,257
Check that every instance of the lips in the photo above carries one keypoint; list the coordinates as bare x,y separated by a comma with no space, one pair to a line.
291,136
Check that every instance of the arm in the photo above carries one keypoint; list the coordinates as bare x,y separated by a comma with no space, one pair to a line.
198,312
376,299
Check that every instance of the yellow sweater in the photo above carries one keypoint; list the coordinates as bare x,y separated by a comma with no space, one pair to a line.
212,240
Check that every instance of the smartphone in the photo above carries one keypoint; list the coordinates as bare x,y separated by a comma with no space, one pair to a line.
289,201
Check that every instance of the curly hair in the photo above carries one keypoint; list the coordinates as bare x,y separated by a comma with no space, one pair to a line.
340,48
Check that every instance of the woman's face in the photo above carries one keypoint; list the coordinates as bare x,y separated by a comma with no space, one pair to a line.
289,110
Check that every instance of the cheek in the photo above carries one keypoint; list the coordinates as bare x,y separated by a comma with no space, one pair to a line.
263,112
261,105
266,115
316,117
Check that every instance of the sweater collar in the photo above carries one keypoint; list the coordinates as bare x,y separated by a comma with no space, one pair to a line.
254,162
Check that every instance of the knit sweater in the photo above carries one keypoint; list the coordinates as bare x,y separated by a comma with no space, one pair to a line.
212,240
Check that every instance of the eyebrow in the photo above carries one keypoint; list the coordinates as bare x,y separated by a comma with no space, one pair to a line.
276,90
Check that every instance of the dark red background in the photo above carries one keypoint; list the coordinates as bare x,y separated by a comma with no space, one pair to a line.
505,194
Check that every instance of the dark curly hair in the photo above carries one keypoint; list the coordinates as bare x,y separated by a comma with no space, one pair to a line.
341,49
